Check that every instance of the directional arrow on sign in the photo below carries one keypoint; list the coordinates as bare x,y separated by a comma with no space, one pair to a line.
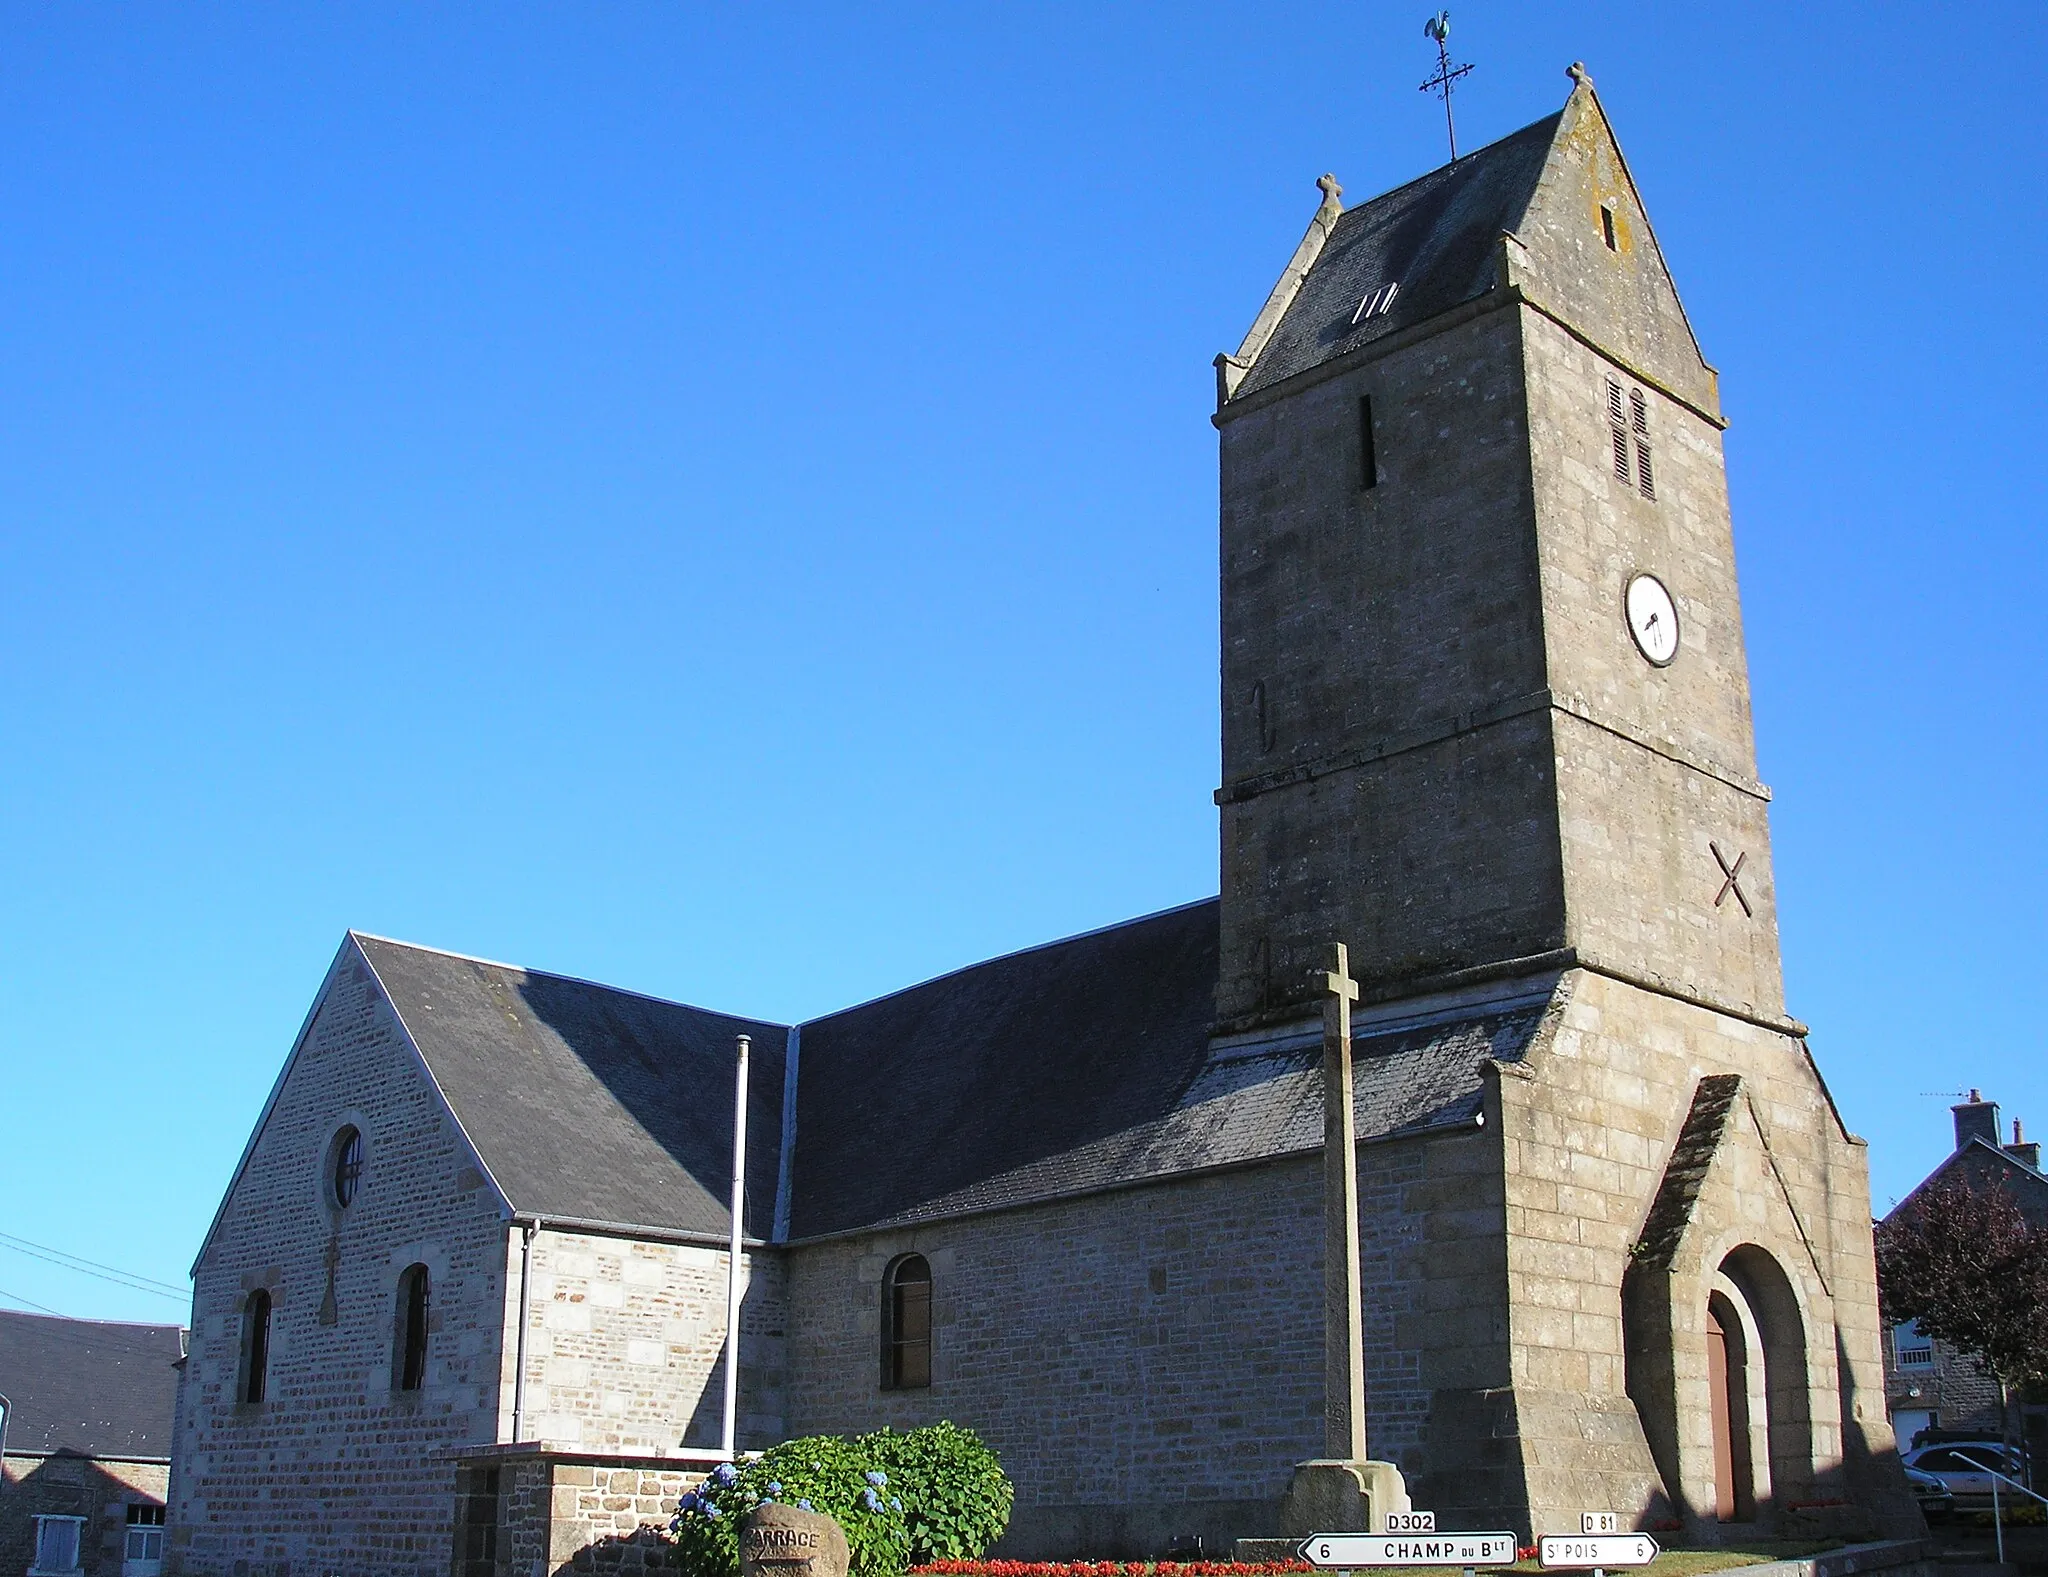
1343,1550
1584,1550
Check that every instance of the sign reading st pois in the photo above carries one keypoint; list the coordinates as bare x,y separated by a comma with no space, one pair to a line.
1580,1551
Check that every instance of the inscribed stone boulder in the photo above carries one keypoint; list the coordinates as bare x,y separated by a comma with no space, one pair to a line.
787,1541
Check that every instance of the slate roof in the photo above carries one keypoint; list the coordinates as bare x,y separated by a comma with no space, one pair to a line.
1434,238
1087,1064
1064,1069
998,1068
90,1387
1236,1109
587,1102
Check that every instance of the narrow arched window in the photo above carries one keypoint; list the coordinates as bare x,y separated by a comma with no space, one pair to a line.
348,1166
907,1324
256,1346
412,1329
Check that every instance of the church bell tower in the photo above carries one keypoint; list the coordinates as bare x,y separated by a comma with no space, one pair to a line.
1485,702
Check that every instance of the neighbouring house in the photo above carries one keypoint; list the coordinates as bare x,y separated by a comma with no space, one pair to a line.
1486,724
88,1444
1928,1385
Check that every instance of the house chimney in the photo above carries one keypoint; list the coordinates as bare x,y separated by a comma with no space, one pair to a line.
1976,1118
2021,1151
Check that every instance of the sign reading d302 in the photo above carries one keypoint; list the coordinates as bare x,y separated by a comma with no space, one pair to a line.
1396,1549
1579,1551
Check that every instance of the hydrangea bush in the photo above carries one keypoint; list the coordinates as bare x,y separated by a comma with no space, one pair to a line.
923,1494
956,1497
816,1473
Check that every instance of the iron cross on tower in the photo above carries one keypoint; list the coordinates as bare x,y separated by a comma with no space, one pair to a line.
1438,27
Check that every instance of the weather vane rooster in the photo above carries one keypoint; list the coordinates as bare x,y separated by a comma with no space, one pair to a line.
1438,29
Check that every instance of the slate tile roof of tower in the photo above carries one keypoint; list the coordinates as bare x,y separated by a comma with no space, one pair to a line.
1433,237
1075,1066
95,1388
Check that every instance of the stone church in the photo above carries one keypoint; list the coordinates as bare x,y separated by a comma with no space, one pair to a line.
1486,722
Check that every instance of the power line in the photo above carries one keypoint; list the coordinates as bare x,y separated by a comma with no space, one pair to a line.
31,1302
87,1267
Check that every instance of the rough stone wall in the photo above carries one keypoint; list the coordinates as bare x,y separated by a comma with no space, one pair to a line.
98,1489
1148,1364
335,1468
1653,764
1386,643
558,1512
626,1344
1627,290
1589,1124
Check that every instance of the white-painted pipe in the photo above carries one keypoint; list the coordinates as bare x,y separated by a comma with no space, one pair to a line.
727,1443
519,1363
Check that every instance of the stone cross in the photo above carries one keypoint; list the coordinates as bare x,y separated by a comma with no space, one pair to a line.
1343,1299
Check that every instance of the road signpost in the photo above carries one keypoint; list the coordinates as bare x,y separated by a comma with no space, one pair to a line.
1346,1551
1594,1551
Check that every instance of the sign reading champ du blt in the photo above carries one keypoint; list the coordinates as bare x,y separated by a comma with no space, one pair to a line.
1342,1550
1414,1541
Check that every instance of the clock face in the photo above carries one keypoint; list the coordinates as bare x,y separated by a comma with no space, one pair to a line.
1652,619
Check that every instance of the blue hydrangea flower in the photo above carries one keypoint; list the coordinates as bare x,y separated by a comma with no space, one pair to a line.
774,1488
725,1475
712,1511
895,1504
805,1505
869,1500
689,1502
877,1477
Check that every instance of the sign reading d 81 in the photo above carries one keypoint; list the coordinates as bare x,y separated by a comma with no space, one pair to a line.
1582,1550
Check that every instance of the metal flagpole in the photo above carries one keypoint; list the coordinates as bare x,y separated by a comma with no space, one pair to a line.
732,1271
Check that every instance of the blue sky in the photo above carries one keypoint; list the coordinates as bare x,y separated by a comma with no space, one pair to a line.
721,500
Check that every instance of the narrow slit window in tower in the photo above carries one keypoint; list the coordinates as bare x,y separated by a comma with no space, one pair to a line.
1607,227
1368,450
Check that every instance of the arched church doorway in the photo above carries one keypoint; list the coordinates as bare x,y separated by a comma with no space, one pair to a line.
1728,1388
1780,1399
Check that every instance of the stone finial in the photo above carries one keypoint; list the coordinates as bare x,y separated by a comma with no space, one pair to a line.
1331,191
1580,76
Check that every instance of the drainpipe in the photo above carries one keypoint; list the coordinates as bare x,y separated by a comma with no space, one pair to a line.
732,1269
519,1373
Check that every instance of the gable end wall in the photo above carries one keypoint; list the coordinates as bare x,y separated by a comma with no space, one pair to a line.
335,1469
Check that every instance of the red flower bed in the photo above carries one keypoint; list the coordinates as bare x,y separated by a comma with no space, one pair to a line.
1526,1552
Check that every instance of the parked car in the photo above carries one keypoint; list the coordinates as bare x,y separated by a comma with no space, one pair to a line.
1933,1496
1961,1466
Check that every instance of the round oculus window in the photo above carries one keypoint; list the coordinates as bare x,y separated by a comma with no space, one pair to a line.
348,1166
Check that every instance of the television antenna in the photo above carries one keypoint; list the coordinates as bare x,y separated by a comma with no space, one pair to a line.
1438,28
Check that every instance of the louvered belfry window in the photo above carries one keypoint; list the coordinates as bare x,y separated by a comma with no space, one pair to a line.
1628,429
1639,424
1617,421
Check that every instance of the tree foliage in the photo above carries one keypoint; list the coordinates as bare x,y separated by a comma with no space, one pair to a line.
1968,1265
